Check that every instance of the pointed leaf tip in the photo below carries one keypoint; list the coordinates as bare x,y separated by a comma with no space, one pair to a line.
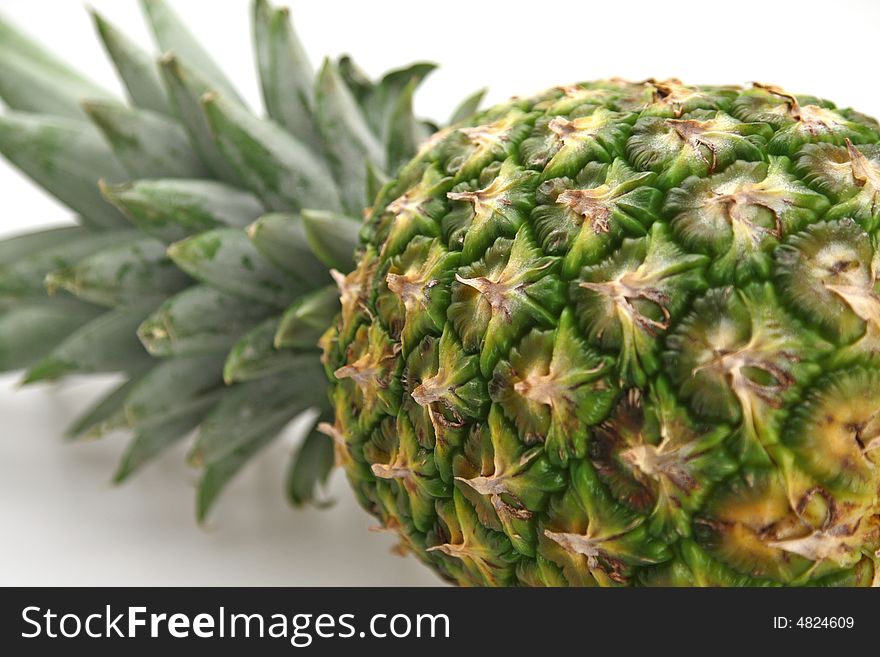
255,356
173,209
134,271
171,33
309,470
307,319
281,239
286,75
135,66
404,132
224,258
185,90
105,344
147,144
104,416
349,139
468,107
48,369
332,237
209,97
268,160
64,156
32,79
199,320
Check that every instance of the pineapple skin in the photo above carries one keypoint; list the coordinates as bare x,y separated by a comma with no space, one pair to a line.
623,334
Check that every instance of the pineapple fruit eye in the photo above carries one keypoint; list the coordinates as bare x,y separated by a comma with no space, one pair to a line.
615,333
826,273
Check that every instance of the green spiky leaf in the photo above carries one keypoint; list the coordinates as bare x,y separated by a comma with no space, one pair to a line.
173,388
358,82
348,138
106,344
199,320
148,145
25,276
404,132
332,237
249,418
172,35
135,66
268,160
379,105
281,239
376,180
468,107
171,210
286,76
309,469
252,409
226,259
150,441
66,157
33,80
133,271
106,415
22,246
185,90
29,332
256,356
306,320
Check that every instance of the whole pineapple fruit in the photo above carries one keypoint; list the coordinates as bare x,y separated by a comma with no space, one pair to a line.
624,333
617,333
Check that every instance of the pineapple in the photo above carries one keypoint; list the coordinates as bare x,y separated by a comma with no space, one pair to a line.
624,334
617,333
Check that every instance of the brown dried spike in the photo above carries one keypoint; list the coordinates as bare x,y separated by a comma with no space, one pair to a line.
654,462
482,199
590,204
431,394
341,452
598,558
867,434
811,117
672,92
496,293
622,292
485,135
838,542
778,91
469,553
865,173
494,486
690,131
409,290
395,470
577,129
368,370
750,195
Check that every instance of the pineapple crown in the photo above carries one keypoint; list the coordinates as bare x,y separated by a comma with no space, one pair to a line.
198,265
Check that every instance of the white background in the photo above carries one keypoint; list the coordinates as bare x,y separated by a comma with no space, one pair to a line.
62,524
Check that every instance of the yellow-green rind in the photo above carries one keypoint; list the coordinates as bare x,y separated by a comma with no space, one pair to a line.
623,334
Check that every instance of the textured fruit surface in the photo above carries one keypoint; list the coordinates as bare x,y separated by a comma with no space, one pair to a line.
623,334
